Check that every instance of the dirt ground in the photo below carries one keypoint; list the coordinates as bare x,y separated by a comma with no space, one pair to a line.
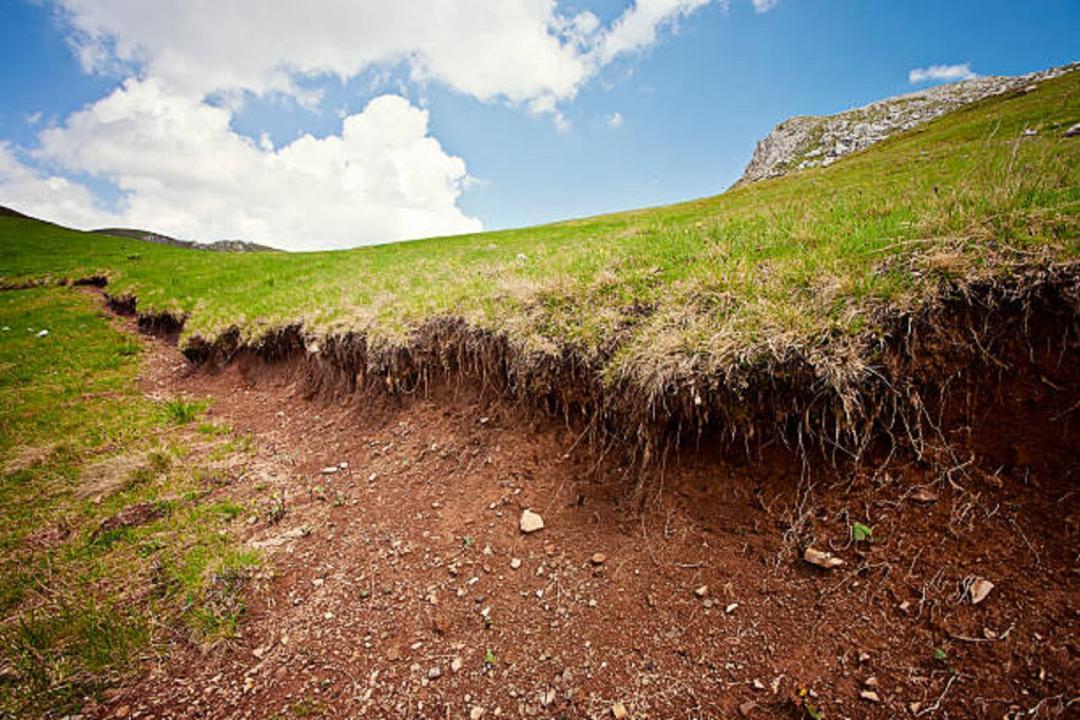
399,584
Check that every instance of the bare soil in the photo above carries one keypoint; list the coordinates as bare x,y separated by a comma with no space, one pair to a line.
392,586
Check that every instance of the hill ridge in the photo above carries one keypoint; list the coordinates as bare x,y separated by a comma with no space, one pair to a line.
806,141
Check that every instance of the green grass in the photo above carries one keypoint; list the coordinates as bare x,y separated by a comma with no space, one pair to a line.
804,263
792,262
79,605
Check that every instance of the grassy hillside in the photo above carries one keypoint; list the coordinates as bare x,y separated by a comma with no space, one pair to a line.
115,509
797,264
810,266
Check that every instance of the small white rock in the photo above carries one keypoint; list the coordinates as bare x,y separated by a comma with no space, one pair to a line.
531,522
980,589
515,563
822,559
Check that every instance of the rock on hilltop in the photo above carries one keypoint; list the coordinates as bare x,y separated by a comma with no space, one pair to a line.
813,141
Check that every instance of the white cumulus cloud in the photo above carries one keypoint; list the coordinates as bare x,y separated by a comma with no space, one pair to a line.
47,196
765,5
522,51
615,120
185,172
941,73
165,140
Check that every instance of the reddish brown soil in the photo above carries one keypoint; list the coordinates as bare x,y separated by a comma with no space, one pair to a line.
411,545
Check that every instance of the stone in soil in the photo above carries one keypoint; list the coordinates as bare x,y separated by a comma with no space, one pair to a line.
531,522
822,558
980,589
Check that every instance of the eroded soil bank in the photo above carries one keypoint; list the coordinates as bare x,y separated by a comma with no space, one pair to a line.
400,585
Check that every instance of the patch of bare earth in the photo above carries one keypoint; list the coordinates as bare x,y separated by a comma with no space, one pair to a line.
401,586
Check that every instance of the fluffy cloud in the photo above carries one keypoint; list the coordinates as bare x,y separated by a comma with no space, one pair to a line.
522,51
765,5
636,28
185,172
50,197
615,120
941,73
181,169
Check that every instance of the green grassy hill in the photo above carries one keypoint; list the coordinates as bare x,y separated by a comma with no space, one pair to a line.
810,266
776,302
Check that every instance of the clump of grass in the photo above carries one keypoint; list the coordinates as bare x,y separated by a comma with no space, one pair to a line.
65,635
182,411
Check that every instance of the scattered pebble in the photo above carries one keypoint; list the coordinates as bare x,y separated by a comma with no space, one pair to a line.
476,712
870,696
702,591
531,522
822,558
330,469
979,590
515,563
731,608
618,711
924,496
598,558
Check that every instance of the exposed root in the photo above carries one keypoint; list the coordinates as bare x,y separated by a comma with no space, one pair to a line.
917,376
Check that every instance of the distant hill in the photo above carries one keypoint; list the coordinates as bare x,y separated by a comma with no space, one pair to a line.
8,212
806,141
234,246
231,246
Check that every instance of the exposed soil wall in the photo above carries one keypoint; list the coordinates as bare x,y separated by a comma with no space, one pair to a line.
401,585
928,369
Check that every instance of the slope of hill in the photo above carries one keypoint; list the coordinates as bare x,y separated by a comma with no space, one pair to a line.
808,141
697,307
809,447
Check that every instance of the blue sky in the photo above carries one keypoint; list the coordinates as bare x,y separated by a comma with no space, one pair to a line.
693,84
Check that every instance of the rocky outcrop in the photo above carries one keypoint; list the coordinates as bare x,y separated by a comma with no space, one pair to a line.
813,141
234,246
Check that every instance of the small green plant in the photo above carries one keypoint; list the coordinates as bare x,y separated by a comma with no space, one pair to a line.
181,411
489,658
860,532
940,655
467,541
213,429
229,510
275,511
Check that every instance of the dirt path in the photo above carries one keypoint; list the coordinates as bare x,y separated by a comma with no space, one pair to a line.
400,586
